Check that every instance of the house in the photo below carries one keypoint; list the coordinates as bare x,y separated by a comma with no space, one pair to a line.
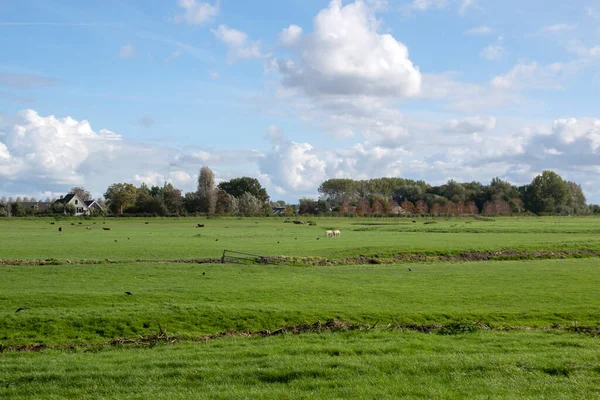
93,206
72,199
278,210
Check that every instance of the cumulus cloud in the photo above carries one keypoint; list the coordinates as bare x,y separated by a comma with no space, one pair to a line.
494,52
346,55
471,125
290,35
197,12
240,46
51,153
177,178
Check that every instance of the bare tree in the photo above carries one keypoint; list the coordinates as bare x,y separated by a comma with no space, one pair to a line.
81,193
206,190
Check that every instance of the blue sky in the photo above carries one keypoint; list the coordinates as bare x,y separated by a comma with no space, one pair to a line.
294,92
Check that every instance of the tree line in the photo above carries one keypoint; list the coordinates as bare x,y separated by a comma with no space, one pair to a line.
548,193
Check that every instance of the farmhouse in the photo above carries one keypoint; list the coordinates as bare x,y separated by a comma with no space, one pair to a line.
81,207
93,206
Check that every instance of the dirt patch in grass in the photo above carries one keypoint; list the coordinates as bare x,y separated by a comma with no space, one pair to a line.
332,325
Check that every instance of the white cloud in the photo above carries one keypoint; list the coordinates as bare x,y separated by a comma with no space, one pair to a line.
214,75
471,125
493,52
293,166
466,4
197,12
424,5
345,55
535,76
127,51
177,178
480,30
240,46
582,51
290,35
559,28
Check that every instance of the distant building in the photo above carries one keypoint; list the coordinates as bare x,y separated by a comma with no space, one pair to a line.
93,206
81,207
36,206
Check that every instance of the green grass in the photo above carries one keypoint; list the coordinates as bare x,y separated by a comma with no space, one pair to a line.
374,364
83,303
74,303
132,239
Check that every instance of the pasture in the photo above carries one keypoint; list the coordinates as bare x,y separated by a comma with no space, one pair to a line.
536,320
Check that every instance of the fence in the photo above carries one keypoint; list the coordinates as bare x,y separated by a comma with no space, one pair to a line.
236,257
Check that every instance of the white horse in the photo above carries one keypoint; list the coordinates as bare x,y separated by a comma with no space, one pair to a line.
336,233
329,234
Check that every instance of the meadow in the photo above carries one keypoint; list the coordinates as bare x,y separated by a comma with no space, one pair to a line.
535,322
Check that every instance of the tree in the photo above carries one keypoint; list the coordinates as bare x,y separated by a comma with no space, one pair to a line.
576,200
408,207
546,193
206,190
336,191
421,207
363,207
323,206
223,205
81,192
120,196
238,186
249,205
308,206
172,199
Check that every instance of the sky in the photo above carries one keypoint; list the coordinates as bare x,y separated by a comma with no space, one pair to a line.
295,92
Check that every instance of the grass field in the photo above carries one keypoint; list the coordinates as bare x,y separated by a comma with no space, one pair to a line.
173,239
74,303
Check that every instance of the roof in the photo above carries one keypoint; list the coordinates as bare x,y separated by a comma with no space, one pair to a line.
66,199
89,202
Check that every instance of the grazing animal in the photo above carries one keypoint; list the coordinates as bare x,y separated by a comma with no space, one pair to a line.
51,223
336,233
410,269
129,293
20,309
106,229
116,240
200,225
89,228
329,234
204,273
60,228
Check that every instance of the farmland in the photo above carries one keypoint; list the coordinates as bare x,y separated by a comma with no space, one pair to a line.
525,328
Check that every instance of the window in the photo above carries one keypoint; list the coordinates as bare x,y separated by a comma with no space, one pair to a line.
76,202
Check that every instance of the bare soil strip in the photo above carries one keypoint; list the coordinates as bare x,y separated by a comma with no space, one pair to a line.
333,325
